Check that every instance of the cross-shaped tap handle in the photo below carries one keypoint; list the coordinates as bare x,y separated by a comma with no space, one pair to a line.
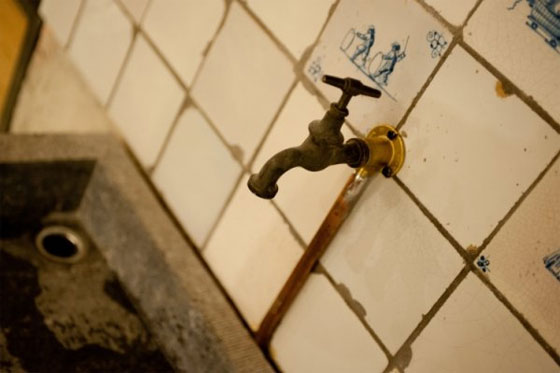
350,88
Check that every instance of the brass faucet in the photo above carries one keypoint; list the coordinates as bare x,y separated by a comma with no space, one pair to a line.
382,150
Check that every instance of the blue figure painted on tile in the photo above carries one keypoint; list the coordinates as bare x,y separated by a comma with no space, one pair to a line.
552,263
437,43
363,49
483,263
544,20
389,60
357,46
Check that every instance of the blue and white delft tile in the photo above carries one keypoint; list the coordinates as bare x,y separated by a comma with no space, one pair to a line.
521,38
474,332
525,258
389,45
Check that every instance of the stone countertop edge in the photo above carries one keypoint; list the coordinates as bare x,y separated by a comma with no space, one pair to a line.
186,311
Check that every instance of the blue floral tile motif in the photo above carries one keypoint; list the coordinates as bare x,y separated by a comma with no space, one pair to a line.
315,70
483,263
544,19
437,43
552,263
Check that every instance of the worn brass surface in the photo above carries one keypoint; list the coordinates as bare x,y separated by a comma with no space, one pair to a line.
386,155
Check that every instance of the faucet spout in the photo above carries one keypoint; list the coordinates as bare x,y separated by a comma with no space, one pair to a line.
325,146
322,148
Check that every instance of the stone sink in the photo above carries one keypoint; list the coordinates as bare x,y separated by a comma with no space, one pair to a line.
95,274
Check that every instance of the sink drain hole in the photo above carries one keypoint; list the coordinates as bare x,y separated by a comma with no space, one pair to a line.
61,244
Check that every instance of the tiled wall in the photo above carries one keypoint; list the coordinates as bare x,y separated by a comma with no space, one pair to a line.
452,267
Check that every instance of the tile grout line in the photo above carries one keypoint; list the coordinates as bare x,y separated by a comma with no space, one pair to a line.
304,57
306,82
188,101
457,32
517,204
222,211
144,12
406,347
467,257
217,132
322,270
174,123
291,227
427,83
212,41
198,254
298,79
162,58
526,99
122,68
434,13
312,89
470,257
272,124
544,115
267,31
74,26
519,316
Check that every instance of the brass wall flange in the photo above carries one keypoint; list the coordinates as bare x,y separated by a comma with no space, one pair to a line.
386,152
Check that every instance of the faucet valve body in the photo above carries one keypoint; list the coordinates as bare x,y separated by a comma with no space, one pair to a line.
325,146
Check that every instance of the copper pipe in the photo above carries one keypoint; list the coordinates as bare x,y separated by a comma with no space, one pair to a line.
335,218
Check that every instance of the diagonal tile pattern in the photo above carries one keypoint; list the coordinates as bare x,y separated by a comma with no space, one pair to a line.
471,153
393,261
522,41
242,82
525,258
473,332
476,147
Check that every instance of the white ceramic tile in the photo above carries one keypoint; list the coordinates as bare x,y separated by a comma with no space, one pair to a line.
54,97
474,332
295,23
455,12
146,101
392,260
347,33
136,8
243,81
196,174
305,197
321,334
252,252
100,44
499,30
60,15
518,258
470,152
182,29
